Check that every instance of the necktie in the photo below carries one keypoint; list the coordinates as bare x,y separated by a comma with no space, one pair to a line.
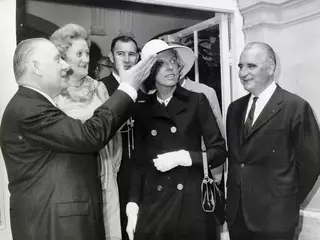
248,123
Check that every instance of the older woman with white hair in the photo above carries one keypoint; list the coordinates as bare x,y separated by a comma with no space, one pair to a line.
79,101
165,198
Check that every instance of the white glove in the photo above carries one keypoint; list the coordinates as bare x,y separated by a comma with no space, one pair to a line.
167,161
132,210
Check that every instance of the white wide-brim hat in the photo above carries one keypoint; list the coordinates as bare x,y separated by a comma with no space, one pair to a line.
156,46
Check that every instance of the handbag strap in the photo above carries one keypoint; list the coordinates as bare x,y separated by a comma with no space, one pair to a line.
204,159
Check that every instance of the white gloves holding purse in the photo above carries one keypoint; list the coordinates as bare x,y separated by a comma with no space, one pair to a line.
167,161
132,210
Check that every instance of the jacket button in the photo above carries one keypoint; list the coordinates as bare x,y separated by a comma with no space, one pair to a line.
242,165
173,129
180,186
154,132
159,188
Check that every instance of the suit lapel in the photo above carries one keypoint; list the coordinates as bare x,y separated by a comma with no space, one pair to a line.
176,105
157,110
272,107
111,83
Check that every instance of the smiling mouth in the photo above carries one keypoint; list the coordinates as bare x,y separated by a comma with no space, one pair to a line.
171,75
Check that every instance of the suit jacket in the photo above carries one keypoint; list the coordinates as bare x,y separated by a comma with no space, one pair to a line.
111,83
176,192
275,167
51,160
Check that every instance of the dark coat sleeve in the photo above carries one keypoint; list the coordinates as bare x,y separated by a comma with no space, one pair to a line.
49,128
306,135
215,144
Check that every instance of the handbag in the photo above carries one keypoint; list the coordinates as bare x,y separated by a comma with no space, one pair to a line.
212,195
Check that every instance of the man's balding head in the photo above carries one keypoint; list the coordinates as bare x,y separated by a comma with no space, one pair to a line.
23,53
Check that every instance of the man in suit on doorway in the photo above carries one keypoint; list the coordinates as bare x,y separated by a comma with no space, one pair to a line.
274,152
123,51
51,159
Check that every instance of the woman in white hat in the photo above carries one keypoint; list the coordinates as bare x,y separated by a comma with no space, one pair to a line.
165,198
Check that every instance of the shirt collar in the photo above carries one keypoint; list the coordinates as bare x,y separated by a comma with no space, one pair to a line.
266,94
42,93
117,77
166,101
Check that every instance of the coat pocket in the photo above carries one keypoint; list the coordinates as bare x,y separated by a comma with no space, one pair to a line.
72,209
284,191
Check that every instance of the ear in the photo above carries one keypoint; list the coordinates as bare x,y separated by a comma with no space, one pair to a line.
35,67
271,67
110,55
137,57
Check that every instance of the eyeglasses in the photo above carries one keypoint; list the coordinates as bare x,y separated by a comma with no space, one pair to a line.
100,66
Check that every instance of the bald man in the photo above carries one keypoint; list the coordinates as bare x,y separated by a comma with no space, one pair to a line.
274,152
51,159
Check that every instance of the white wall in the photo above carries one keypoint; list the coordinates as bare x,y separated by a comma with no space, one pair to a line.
144,25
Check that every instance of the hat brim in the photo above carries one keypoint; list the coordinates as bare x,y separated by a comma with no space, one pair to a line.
186,55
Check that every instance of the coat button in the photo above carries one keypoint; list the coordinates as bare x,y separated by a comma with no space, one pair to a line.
173,129
154,132
20,137
180,186
159,188
242,165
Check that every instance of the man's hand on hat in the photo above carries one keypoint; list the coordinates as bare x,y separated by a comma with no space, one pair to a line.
138,73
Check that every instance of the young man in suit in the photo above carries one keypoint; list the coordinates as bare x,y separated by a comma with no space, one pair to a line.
124,51
274,152
51,159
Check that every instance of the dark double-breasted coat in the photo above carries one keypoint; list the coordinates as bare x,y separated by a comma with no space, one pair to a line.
170,202
52,166
275,166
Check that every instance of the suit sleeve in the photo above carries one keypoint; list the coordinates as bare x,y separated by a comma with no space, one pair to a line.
307,136
50,128
214,104
214,142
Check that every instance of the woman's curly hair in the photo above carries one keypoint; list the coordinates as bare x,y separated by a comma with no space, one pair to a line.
63,37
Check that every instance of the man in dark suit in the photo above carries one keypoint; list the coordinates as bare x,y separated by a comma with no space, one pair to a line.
274,152
124,51
51,158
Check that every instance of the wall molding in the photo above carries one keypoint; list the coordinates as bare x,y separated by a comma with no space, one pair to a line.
272,15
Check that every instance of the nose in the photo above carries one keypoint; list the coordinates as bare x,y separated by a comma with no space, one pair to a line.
85,58
126,57
170,65
243,72
65,66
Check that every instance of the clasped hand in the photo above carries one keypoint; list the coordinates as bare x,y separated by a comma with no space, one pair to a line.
167,161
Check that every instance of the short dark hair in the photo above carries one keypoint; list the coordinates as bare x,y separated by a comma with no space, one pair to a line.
123,38
22,54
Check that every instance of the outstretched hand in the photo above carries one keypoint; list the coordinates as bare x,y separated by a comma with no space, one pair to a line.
138,73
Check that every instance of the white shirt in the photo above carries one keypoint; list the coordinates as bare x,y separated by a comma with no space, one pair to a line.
166,101
262,101
43,94
117,77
